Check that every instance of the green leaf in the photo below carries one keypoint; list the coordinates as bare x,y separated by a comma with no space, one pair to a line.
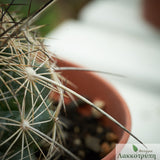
135,148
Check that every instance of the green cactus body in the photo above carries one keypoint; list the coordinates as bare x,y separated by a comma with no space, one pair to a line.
27,78
25,113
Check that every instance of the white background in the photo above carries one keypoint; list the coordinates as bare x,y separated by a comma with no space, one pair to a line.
111,35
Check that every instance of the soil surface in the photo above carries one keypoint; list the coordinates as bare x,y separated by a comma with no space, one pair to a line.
86,136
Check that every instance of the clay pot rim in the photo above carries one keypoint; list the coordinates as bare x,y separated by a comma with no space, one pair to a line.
125,136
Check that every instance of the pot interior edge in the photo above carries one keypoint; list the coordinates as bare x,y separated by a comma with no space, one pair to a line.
96,88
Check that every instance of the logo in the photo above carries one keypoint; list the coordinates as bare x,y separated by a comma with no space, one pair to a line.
135,148
137,152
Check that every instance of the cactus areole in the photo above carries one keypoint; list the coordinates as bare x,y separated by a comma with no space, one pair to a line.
29,77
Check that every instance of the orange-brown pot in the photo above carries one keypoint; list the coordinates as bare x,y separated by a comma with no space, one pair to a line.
151,12
91,85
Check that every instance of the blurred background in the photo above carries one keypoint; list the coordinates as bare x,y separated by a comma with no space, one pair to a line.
53,16
117,36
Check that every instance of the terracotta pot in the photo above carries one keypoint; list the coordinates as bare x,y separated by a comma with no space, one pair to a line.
151,12
94,87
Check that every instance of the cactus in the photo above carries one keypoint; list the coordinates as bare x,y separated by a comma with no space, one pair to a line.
25,117
27,78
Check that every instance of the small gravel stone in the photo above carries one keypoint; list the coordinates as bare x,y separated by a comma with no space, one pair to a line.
100,104
77,142
92,143
99,130
76,129
81,153
111,137
105,148
112,145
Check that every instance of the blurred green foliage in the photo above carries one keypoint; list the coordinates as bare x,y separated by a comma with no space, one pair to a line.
57,13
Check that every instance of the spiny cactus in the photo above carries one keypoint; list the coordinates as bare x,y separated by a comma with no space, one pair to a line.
27,78
25,68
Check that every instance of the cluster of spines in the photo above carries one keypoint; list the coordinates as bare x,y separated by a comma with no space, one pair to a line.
26,120
27,78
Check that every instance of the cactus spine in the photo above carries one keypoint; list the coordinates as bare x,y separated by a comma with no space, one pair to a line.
26,120
27,78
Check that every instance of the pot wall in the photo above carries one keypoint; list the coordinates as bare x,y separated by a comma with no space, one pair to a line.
151,12
96,88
